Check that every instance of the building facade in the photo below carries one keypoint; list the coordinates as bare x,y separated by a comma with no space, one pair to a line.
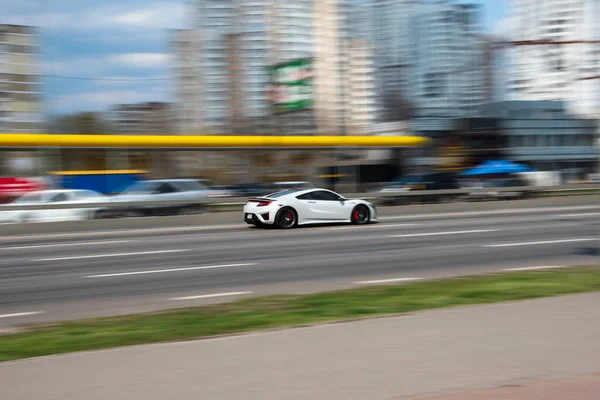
545,135
20,83
187,116
448,76
568,67
361,88
430,57
238,42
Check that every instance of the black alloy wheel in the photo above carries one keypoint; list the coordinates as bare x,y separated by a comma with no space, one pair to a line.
360,215
286,218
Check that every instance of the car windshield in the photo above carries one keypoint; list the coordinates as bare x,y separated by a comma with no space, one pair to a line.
140,187
29,198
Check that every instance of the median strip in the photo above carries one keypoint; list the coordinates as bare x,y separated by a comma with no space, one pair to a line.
294,310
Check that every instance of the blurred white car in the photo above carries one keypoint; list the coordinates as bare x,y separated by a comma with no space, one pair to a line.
290,208
48,197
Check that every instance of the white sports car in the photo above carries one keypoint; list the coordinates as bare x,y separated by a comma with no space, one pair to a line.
290,208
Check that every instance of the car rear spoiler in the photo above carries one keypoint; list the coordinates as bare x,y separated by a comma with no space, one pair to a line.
259,199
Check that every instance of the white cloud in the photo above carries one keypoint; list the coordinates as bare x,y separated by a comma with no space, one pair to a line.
156,15
504,27
151,16
142,60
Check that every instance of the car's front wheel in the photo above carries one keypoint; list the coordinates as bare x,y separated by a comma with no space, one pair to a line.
286,218
360,215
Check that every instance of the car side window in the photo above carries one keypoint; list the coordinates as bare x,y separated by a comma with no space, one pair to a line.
189,186
306,196
165,188
326,196
58,198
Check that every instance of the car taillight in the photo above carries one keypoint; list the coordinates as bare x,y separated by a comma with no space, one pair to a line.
264,203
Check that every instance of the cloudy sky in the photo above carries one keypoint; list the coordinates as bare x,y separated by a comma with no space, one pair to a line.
118,48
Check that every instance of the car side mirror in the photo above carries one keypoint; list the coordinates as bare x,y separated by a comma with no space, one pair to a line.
342,199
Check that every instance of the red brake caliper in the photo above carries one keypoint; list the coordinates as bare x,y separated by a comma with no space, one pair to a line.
356,214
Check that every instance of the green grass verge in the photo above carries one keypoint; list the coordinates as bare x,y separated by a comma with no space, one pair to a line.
294,310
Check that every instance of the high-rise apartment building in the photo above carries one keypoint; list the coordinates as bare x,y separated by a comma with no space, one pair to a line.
361,104
238,41
20,84
568,67
429,56
187,116
448,77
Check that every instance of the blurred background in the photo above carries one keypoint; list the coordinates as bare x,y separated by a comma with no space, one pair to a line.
485,80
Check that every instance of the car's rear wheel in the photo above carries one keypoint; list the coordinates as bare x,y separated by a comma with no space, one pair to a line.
360,215
286,218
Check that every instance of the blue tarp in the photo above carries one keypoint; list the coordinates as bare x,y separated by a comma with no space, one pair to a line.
496,167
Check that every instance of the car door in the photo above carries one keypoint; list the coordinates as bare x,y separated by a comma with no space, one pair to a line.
80,198
328,207
305,205
59,214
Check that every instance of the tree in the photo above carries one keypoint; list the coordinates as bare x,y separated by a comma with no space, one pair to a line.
87,123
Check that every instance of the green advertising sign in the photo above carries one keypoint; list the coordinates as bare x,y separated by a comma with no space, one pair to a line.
290,86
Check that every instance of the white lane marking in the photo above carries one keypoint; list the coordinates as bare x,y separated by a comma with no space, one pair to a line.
580,215
388,281
119,232
210,296
445,233
21,314
139,253
160,271
354,228
39,246
533,268
540,243
540,210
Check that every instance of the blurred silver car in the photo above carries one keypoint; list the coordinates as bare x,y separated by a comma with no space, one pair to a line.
72,198
490,190
189,195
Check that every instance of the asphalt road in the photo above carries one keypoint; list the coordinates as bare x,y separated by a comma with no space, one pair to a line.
426,353
48,277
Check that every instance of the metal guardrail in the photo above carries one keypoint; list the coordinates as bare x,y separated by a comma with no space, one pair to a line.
366,196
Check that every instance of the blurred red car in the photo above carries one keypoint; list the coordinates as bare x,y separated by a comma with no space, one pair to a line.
11,187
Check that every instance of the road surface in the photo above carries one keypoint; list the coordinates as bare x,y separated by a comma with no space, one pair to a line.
50,277
424,354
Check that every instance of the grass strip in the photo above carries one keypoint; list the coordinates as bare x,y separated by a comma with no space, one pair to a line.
294,310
